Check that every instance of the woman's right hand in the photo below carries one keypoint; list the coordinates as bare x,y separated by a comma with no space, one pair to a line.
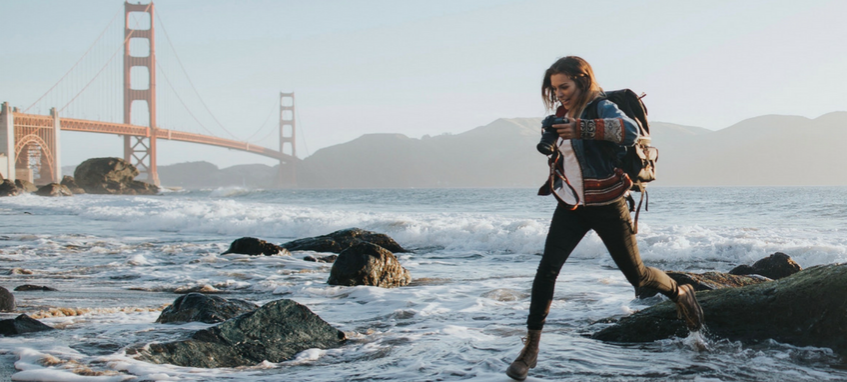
567,130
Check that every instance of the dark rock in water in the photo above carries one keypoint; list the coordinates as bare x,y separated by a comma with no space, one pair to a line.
29,287
368,264
706,281
7,300
275,332
775,266
343,239
21,324
141,188
322,259
804,309
8,188
70,183
25,186
53,189
254,246
110,176
209,309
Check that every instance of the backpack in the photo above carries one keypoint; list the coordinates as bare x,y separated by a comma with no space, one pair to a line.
639,161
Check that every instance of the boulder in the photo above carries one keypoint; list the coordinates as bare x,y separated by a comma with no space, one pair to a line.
141,188
804,309
368,264
209,309
70,183
8,188
21,324
29,288
25,186
110,176
706,281
274,333
7,300
322,259
343,239
254,246
775,266
53,189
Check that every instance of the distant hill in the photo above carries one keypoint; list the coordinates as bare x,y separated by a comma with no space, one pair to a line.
197,175
766,150
500,154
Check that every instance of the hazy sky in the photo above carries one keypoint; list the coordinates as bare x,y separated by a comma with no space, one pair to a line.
430,67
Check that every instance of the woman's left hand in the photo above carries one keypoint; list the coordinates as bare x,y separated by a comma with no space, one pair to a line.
567,130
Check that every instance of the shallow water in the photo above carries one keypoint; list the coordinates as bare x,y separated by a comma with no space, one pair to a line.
117,261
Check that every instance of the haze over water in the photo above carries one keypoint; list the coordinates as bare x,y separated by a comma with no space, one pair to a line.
116,260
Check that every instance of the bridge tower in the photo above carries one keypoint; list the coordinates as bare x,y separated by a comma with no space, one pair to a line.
140,151
287,172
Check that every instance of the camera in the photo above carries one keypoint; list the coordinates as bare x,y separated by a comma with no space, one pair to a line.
549,135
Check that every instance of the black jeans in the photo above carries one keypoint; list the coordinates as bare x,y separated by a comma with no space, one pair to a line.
612,224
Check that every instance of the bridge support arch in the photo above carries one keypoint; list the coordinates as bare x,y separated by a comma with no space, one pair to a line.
30,141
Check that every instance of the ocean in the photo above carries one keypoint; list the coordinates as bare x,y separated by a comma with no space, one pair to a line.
116,261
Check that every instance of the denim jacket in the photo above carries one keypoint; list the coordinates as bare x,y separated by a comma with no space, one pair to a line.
598,150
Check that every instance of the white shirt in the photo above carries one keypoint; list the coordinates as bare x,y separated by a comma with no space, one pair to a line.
573,172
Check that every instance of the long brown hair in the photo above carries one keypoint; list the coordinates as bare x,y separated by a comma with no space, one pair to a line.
581,73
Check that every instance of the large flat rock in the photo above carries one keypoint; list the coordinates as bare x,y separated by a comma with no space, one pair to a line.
808,308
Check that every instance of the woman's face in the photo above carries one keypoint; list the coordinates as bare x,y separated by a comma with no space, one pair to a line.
565,90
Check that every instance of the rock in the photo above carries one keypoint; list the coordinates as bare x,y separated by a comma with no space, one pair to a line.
7,300
25,186
274,333
20,271
343,239
368,264
70,183
706,281
775,266
29,288
110,176
53,189
8,188
322,259
254,246
141,188
209,309
21,324
804,309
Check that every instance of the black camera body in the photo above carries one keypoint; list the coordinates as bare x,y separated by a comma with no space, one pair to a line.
549,135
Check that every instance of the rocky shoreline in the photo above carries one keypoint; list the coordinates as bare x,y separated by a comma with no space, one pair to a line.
772,299
94,176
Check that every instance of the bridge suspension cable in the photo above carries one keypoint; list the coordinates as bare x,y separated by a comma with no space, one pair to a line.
167,37
129,36
168,81
263,125
77,63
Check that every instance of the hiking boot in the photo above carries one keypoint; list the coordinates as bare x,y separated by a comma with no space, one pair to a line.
688,309
528,357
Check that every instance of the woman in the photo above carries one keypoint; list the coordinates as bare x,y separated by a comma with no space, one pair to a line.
595,199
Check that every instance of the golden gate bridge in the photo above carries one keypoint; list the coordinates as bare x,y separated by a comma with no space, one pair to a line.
32,141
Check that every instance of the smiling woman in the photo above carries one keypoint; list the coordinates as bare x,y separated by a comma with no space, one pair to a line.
585,159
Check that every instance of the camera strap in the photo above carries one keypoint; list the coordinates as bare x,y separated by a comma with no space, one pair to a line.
557,173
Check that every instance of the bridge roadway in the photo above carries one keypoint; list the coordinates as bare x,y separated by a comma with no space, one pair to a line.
82,125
